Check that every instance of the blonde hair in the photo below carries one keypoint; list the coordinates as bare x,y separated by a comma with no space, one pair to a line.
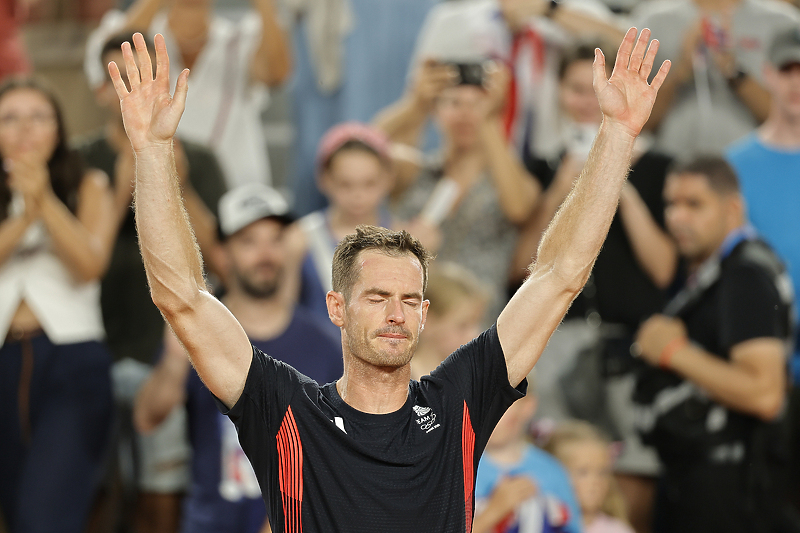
575,432
449,284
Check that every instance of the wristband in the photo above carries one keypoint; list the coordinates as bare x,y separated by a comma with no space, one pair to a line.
669,350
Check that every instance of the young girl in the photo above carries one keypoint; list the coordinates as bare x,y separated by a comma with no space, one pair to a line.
586,455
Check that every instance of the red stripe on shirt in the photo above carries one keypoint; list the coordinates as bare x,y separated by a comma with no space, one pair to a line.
468,455
290,472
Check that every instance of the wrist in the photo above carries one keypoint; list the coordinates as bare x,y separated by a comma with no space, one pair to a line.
617,130
669,351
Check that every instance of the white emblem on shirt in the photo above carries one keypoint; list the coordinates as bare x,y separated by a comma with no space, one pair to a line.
426,419
339,421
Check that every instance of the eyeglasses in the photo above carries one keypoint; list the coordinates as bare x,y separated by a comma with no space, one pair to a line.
38,120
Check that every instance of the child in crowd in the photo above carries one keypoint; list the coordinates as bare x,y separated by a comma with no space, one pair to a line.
587,456
520,488
458,305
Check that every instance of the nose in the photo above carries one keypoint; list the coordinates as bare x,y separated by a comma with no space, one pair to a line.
395,313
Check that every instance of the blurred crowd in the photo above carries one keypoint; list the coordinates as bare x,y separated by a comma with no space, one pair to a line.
665,402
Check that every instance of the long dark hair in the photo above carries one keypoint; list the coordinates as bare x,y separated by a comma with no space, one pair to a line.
65,165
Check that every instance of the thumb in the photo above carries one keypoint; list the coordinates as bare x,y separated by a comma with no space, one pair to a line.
181,89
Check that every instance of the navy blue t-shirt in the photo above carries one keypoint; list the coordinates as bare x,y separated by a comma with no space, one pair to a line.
305,344
324,466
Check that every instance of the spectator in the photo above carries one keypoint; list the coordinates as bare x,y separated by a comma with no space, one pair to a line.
56,235
134,326
355,174
586,454
718,47
628,282
520,487
528,36
232,65
767,161
224,496
718,353
459,304
350,60
485,190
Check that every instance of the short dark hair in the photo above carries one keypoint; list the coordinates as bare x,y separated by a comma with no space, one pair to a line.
584,51
720,174
385,241
114,43
353,145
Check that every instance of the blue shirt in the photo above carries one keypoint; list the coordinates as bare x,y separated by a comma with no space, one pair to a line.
550,477
770,183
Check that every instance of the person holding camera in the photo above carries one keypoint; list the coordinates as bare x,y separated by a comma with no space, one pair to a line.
476,191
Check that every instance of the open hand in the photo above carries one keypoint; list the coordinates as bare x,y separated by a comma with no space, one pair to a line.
149,113
626,98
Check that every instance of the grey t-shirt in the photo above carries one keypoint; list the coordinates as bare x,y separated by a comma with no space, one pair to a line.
706,114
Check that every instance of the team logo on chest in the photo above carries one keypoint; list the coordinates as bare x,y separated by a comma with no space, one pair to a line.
426,418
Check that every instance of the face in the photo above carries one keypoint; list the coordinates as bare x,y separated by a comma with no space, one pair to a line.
513,423
697,217
256,256
457,326
356,183
784,85
28,124
382,319
577,94
589,467
457,111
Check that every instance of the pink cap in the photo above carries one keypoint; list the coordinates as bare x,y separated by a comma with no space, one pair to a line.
339,135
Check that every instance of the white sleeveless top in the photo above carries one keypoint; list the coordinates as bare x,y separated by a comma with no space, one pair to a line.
68,310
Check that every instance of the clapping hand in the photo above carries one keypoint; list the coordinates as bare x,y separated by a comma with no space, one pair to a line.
149,113
626,98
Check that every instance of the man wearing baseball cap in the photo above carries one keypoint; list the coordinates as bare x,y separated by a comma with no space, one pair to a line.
224,496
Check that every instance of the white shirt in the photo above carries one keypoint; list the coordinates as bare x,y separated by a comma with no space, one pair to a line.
68,310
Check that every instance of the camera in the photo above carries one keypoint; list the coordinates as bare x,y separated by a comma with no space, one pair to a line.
470,73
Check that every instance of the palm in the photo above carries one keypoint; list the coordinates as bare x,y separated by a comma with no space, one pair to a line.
149,113
627,98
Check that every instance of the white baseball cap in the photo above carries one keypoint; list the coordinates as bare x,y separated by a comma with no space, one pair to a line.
248,203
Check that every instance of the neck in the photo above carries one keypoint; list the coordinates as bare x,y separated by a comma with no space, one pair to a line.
780,131
261,318
507,454
372,389
463,165
343,224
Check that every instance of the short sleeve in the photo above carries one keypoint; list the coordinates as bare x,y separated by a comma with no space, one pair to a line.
478,369
750,305
269,389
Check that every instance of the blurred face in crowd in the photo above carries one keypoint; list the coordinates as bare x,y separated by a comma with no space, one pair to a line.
256,256
576,93
456,326
512,426
28,124
385,311
698,217
589,465
356,183
458,115
784,85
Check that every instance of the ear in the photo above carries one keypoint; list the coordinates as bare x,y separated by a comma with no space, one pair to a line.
336,304
425,305
736,208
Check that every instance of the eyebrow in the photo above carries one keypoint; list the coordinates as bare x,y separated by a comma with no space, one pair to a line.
383,292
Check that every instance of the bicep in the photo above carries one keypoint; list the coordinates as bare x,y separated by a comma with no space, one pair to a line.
527,322
764,359
217,346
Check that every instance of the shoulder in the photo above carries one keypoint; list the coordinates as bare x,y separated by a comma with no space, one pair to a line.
742,147
95,181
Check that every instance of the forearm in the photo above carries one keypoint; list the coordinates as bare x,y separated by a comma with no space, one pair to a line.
170,253
581,23
755,97
654,250
733,385
83,253
163,390
204,224
574,237
403,121
272,61
517,191
12,230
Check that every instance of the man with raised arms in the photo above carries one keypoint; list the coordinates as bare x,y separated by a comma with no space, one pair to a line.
374,451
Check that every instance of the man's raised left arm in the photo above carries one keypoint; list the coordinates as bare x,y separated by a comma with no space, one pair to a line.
572,241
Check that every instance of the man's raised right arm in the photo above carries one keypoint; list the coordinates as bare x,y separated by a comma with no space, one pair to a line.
216,343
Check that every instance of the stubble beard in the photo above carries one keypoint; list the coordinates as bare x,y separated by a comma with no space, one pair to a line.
360,347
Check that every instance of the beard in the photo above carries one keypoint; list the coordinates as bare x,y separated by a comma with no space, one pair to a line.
364,347
257,285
